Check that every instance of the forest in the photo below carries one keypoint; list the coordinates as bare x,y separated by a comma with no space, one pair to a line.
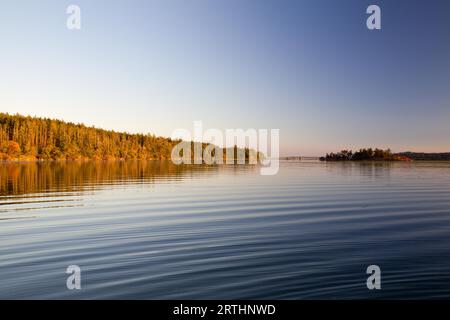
31,138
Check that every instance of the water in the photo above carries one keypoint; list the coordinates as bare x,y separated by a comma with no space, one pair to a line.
152,230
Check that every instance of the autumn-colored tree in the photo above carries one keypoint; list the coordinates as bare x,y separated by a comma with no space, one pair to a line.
13,148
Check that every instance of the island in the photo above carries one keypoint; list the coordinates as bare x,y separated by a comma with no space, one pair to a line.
367,154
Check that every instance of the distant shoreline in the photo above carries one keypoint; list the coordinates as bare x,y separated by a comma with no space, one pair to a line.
375,155
384,155
304,159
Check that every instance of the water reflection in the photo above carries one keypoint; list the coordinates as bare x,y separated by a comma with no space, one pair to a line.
368,169
37,177
55,185
158,231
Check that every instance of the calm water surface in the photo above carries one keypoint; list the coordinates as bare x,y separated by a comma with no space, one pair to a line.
157,231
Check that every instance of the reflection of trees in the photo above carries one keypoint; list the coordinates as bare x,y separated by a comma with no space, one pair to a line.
373,169
33,177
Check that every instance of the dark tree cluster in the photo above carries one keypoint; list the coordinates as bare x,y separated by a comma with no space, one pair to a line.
363,154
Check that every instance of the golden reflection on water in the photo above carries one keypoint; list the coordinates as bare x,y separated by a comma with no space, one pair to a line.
36,177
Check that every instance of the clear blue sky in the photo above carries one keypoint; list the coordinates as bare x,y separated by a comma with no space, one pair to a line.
308,67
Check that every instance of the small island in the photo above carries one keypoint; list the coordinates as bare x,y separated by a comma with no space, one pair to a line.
368,154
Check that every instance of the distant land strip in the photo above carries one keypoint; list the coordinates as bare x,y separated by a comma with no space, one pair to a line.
401,156
375,154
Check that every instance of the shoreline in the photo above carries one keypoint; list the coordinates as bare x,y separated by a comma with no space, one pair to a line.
18,161
75,160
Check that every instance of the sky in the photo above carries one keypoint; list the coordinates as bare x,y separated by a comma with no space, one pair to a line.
310,68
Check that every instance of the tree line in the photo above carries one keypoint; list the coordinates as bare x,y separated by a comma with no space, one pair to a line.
32,138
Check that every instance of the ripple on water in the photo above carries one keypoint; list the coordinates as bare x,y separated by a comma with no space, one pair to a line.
157,231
